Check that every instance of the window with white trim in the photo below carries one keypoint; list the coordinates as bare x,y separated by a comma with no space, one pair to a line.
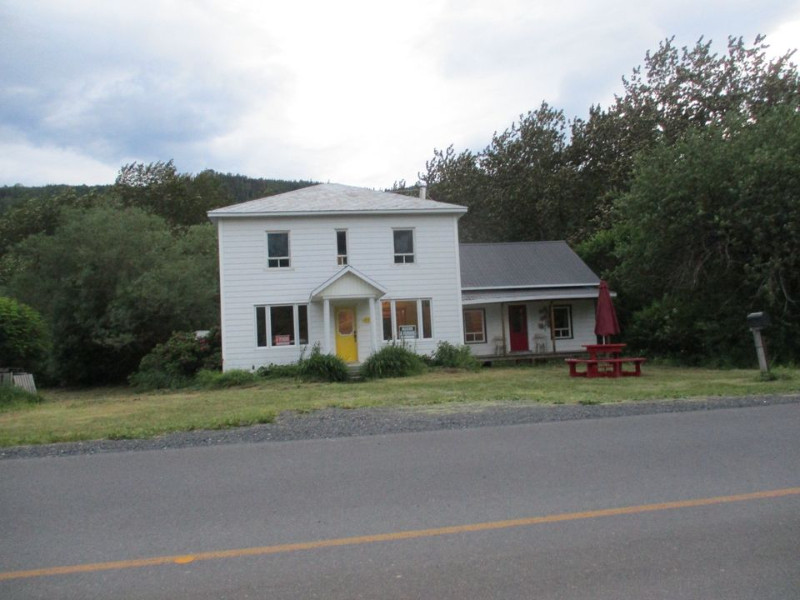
474,325
278,249
406,320
562,322
341,246
281,325
403,246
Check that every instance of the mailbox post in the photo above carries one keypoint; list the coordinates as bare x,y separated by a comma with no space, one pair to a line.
756,322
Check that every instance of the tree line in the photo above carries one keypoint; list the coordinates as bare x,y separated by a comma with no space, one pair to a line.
115,270
683,194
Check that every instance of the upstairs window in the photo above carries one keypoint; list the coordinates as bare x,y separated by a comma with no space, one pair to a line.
341,247
403,246
278,249
562,322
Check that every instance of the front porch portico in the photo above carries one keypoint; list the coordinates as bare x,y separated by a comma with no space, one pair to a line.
350,314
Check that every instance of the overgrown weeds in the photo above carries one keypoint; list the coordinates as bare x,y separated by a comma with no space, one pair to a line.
15,397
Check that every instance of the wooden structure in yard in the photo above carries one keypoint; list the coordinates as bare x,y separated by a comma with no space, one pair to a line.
19,379
605,360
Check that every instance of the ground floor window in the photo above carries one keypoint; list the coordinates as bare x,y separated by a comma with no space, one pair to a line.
284,325
406,319
562,322
474,325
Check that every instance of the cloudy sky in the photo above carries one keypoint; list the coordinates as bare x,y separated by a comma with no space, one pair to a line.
349,91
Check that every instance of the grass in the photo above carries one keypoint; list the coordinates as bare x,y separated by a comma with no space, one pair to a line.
120,413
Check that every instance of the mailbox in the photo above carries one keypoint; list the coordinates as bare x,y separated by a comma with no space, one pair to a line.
758,320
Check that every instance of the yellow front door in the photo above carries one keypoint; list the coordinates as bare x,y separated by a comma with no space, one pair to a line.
346,346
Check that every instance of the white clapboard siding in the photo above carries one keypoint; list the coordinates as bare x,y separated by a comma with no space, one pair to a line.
497,332
247,282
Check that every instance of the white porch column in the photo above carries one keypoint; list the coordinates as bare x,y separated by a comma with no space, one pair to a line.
373,324
326,324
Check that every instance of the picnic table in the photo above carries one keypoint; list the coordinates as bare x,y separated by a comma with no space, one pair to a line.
605,360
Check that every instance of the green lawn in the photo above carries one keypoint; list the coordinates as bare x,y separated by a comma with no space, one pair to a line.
115,413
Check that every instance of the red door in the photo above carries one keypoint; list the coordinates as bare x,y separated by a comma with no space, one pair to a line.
518,327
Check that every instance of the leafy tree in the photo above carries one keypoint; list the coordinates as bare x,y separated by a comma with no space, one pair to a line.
708,232
241,188
674,91
112,283
457,178
530,182
520,187
42,214
180,198
23,335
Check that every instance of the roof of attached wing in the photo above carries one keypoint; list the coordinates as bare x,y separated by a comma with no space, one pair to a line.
523,265
333,198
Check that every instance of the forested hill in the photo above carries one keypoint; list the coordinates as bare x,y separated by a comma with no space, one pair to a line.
237,188
113,270
683,194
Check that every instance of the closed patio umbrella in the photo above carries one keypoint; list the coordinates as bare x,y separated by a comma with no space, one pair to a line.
605,323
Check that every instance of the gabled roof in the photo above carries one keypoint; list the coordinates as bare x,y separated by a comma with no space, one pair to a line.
523,265
332,199
349,282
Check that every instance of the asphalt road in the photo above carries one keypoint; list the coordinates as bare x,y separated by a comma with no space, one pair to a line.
709,507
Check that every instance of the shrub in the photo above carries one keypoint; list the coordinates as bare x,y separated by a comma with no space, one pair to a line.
272,371
322,367
156,379
394,360
454,357
174,363
216,379
23,336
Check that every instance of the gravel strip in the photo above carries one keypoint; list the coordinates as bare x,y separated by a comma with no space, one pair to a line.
335,423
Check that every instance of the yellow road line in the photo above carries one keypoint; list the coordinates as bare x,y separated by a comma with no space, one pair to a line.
389,537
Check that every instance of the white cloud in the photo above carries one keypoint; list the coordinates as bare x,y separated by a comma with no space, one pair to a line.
354,91
26,164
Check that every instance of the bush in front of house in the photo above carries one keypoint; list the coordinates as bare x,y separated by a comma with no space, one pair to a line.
394,360
273,371
454,357
322,367
209,379
174,363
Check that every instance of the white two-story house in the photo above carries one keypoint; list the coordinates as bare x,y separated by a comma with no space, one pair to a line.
347,268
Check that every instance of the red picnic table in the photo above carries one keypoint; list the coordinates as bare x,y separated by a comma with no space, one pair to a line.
605,360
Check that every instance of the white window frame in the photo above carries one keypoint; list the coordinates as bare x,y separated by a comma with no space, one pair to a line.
420,319
407,258
269,338
467,334
563,333
282,262
341,259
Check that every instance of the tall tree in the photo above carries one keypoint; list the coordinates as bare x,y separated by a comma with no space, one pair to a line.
457,178
674,91
520,187
180,198
709,232
112,283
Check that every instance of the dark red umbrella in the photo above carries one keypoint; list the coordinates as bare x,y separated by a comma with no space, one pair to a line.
605,321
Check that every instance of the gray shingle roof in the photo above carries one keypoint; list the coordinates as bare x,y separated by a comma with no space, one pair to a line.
523,265
333,198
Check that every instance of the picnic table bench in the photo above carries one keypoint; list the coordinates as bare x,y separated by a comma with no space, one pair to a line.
605,360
